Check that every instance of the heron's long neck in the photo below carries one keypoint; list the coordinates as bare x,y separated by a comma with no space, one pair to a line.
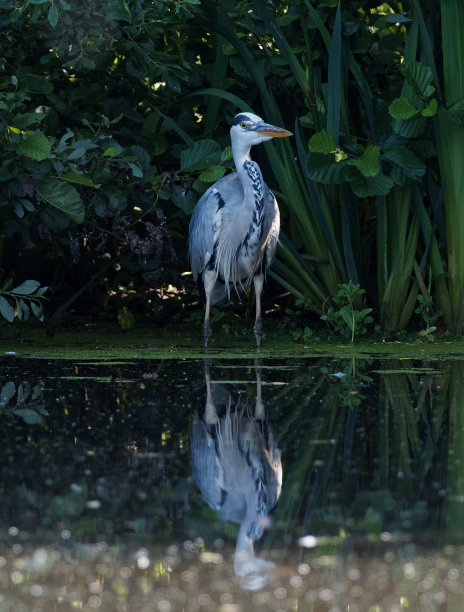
250,176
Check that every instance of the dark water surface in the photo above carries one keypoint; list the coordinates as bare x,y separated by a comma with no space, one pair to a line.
232,485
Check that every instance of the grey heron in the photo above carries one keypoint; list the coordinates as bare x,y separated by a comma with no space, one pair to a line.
235,225
237,467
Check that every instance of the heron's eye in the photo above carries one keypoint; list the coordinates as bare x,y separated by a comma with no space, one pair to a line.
243,125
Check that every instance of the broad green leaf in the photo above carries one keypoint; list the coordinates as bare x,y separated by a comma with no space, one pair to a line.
24,120
322,142
29,416
110,152
411,165
19,210
324,168
159,145
136,170
226,154
212,174
368,164
78,178
285,20
410,128
24,390
150,125
37,310
420,77
397,18
6,309
430,109
34,145
36,83
366,186
52,15
202,154
402,108
22,310
26,288
7,392
64,197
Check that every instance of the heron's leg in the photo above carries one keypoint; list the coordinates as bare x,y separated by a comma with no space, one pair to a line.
210,408
207,333
209,280
259,406
258,282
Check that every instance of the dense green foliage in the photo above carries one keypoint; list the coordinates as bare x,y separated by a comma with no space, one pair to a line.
114,119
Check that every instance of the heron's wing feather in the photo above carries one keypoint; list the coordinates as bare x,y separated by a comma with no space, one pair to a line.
206,221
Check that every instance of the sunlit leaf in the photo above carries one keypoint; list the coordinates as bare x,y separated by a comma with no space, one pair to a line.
322,142
430,109
402,108
34,145
368,164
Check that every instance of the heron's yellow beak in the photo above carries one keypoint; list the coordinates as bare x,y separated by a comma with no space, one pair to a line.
271,130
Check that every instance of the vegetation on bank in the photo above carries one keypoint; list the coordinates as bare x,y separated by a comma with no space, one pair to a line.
114,119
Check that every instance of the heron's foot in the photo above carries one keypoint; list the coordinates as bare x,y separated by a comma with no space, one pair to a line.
207,333
258,332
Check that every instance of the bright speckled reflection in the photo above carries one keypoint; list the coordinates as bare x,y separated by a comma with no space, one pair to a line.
327,485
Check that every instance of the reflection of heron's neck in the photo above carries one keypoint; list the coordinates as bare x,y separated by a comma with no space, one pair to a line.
245,560
253,571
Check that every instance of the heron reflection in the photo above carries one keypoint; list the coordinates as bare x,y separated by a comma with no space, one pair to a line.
237,467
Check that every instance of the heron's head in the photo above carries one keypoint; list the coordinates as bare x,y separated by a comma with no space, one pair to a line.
248,129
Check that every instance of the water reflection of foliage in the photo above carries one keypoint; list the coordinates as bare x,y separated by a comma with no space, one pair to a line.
374,450
108,459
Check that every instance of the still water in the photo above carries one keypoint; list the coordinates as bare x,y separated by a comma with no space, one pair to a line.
198,485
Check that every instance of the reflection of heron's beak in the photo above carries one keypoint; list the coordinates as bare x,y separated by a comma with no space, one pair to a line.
271,130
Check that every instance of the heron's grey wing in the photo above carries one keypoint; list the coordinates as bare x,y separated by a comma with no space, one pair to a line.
207,472
206,221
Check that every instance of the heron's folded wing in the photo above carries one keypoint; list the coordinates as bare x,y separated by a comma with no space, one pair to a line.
205,224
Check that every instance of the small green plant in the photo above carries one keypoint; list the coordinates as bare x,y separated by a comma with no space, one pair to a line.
344,316
26,297
426,309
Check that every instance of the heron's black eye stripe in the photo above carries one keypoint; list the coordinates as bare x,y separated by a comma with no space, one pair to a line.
239,119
